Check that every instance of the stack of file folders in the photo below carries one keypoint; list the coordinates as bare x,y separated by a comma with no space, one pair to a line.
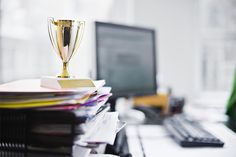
40,122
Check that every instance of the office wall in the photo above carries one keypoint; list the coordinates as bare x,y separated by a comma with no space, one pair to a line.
176,22
26,51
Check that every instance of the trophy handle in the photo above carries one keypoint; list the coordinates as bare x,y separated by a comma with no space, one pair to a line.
79,35
50,22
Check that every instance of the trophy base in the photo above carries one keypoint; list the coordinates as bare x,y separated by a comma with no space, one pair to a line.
65,83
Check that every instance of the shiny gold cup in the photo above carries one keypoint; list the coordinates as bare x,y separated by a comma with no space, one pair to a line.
65,36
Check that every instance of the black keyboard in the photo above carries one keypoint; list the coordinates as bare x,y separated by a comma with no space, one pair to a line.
190,133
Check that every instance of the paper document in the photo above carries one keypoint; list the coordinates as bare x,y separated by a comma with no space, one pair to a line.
33,86
28,93
81,151
102,155
104,130
120,125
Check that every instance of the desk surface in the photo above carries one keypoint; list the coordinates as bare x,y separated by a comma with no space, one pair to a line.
153,141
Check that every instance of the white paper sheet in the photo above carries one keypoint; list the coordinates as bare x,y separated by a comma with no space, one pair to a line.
102,155
103,131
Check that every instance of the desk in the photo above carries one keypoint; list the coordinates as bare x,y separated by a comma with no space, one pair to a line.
153,141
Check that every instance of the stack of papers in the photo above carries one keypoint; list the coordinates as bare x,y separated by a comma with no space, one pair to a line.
62,122
29,94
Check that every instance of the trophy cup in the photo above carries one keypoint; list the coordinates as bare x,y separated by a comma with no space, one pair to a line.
65,36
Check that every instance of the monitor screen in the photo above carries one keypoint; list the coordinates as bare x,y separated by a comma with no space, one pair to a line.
126,59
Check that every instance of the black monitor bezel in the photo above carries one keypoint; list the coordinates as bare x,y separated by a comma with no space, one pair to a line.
128,94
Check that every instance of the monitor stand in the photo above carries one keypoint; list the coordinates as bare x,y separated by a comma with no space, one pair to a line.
125,108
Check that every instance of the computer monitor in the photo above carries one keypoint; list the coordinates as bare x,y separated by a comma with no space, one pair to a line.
126,59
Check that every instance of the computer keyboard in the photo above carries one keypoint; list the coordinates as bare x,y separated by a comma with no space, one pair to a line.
190,133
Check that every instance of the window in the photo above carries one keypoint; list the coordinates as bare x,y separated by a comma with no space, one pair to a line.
218,44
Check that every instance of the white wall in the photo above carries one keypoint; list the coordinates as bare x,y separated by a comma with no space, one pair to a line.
26,50
174,20
176,25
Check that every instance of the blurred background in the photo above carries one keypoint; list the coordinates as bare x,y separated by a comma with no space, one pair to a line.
196,40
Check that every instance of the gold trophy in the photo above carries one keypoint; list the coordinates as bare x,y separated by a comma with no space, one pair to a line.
65,36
